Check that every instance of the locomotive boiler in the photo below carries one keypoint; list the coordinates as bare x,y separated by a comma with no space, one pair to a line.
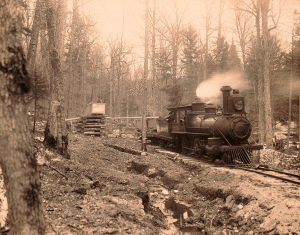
205,130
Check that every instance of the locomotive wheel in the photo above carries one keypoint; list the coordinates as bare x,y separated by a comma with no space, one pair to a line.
176,142
184,143
163,143
197,148
212,157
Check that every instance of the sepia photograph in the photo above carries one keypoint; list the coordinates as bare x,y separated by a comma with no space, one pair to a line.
168,117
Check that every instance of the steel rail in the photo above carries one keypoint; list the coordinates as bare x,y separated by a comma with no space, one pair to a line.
281,172
254,170
265,174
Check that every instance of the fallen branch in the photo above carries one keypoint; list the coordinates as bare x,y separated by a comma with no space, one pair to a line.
54,229
125,150
51,167
212,219
170,155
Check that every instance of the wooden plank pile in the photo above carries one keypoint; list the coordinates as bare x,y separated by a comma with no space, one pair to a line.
78,125
93,124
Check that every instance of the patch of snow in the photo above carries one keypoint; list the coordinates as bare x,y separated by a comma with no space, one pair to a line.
41,159
39,138
3,202
165,192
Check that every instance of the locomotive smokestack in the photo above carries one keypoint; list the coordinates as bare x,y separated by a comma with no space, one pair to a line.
226,93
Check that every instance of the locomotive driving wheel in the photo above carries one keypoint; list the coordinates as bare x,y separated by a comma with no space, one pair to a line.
212,157
197,148
184,144
176,142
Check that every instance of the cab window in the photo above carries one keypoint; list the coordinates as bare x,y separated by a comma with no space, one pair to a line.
175,116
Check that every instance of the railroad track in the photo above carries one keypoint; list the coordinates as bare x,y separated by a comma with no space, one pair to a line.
288,177
187,158
279,175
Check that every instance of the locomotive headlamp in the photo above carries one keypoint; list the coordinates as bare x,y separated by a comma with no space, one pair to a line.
238,104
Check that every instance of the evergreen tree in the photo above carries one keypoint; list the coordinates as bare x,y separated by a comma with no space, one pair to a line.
190,63
39,91
234,62
164,66
221,55
174,94
190,54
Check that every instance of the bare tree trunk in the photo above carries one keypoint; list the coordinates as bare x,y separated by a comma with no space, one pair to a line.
31,56
243,27
154,88
260,83
55,133
208,21
61,26
34,117
17,160
222,3
111,73
144,121
266,78
71,74
84,78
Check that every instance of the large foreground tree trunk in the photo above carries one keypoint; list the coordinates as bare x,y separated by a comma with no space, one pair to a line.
19,166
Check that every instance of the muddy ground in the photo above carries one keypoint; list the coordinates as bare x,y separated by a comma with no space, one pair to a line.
101,190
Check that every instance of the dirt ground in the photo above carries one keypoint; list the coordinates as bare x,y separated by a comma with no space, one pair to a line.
101,190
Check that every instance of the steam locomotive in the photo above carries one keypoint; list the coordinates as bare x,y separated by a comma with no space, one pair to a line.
204,130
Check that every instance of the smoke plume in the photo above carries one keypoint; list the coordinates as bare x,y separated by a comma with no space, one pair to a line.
209,90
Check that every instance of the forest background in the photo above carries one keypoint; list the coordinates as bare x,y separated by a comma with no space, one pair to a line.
224,45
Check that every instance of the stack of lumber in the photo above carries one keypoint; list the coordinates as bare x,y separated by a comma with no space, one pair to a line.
93,124
78,125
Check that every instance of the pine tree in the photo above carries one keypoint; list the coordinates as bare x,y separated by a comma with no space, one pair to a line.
190,53
221,56
234,62
190,63
39,90
174,94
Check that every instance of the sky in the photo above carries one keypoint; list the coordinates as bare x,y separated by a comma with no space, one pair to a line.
110,18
